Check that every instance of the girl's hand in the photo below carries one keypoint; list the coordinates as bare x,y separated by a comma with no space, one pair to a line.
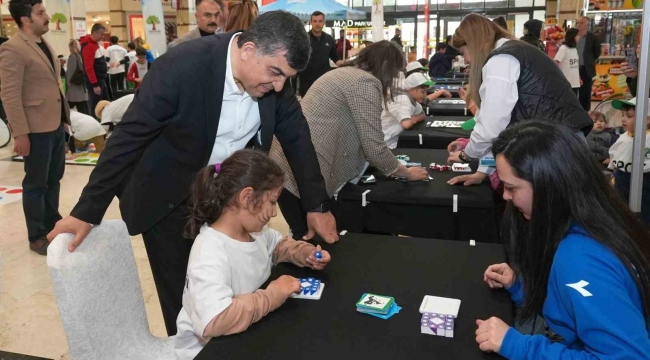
288,285
318,264
499,276
490,334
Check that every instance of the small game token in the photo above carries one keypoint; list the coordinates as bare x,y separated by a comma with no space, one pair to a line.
318,255
413,164
343,232
461,168
472,243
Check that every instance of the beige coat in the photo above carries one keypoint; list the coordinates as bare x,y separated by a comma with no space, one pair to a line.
30,87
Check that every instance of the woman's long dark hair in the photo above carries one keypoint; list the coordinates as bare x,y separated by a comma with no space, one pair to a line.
570,38
384,60
213,191
568,189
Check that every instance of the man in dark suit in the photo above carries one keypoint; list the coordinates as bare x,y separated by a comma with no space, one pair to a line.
200,102
589,51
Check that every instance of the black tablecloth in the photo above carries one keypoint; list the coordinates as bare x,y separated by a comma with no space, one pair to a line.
452,88
449,81
442,107
405,268
432,138
423,209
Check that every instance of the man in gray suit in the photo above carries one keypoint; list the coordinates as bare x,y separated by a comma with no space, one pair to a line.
209,18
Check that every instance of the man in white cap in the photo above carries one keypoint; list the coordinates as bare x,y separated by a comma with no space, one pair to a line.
404,110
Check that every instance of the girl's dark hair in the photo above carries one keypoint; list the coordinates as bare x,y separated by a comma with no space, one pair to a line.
568,189
501,21
570,38
384,60
211,195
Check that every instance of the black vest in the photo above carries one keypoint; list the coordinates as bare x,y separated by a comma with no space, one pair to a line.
544,91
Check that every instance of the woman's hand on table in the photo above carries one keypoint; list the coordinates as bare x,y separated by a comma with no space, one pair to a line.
490,334
499,276
455,146
415,173
467,180
454,155
316,263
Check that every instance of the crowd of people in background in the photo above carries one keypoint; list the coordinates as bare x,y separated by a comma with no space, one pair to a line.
548,154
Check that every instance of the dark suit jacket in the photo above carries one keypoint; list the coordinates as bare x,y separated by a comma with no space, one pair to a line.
167,135
591,54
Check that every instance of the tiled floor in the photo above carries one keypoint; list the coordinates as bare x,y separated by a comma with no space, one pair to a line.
29,318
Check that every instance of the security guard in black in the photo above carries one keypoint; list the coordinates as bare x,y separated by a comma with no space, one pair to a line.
323,48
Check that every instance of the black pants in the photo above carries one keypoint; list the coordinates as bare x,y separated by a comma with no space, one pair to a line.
168,254
93,98
44,168
296,215
82,107
117,83
585,89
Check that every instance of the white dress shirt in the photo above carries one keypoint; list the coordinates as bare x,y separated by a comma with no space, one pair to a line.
239,119
499,94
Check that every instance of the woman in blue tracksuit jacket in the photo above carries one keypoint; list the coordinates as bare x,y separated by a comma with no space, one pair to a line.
581,258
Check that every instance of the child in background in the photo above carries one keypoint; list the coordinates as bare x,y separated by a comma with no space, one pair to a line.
440,64
404,110
139,68
232,256
599,139
620,155
131,54
568,60
85,130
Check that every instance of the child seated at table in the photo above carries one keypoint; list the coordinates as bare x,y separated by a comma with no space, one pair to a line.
404,109
440,63
620,158
599,139
231,205
581,259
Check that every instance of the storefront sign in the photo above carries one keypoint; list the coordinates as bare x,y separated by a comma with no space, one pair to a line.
356,23
615,4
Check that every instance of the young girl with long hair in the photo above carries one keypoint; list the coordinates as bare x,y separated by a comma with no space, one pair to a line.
581,259
234,250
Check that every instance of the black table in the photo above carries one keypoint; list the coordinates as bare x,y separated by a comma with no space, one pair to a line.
405,268
421,208
452,88
432,138
449,81
450,107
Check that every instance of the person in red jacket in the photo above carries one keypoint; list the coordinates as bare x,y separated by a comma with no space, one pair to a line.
139,68
95,65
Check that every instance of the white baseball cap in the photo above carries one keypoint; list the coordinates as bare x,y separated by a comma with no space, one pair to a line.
618,104
417,79
415,65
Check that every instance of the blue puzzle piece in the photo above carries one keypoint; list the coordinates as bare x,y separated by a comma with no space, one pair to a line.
309,286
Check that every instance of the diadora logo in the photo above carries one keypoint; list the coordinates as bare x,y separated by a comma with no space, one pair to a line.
580,287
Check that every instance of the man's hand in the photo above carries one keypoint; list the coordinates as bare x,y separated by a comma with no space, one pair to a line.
322,224
628,71
455,146
467,180
97,90
339,63
137,80
112,65
454,157
71,224
22,145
